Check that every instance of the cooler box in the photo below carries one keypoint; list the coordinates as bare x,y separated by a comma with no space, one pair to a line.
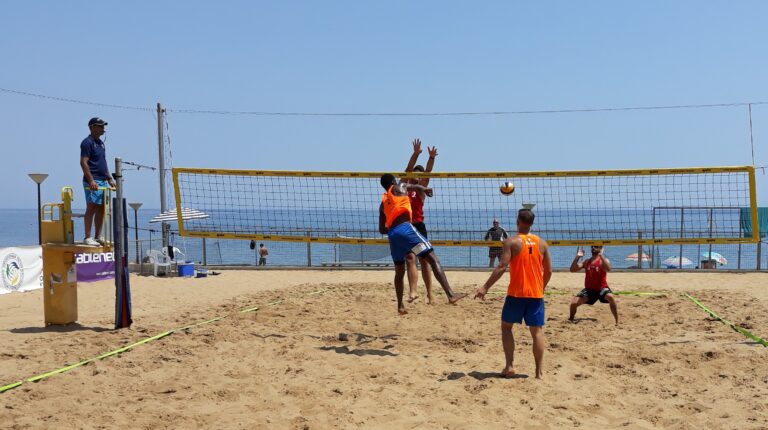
186,269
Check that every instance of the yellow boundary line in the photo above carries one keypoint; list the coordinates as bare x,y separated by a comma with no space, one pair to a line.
746,333
64,369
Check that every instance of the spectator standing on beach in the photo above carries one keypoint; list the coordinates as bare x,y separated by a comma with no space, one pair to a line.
496,234
595,282
96,177
417,199
263,252
530,268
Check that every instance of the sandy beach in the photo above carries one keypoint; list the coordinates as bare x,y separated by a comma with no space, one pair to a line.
343,358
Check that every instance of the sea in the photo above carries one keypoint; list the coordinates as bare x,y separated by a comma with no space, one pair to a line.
18,227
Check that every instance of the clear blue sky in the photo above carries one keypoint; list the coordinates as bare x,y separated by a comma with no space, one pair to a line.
396,56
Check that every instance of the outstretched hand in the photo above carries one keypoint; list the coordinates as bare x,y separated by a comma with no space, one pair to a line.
480,293
432,151
579,252
416,146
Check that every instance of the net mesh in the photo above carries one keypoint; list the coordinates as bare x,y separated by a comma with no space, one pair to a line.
651,206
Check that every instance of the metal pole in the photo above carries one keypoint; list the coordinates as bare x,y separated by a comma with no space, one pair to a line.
309,251
639,251
118,239
759,252
470,256
205,256
682,227
161,164
654,249
136,231
751,139
711,222
39,218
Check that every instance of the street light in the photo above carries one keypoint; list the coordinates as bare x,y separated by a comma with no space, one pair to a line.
136,207
39,178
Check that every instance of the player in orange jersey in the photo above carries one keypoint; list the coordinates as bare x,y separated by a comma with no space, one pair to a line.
530,268
404,240
417,219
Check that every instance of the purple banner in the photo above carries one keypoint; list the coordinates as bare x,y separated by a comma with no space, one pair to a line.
95,266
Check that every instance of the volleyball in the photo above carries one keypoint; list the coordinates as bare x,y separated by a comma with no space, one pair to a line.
507,188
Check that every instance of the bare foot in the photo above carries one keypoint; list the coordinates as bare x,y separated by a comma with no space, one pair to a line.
508,372
538,374
412,298
402,311
430,300
456,298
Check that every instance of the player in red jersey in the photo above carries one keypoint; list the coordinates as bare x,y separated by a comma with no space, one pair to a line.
417,205
595,283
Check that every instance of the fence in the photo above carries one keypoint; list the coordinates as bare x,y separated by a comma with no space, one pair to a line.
229,252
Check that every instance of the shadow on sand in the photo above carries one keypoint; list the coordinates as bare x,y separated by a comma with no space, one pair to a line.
480,376
58,329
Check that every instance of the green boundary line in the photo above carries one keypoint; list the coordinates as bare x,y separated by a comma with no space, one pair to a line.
46,375
735,328
562,293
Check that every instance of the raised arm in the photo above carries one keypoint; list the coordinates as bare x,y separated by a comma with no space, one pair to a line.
576,264
430,164
510,248
415,156
605,264
419,189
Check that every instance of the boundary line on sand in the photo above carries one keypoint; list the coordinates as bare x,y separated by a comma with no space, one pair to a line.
735,328
64,369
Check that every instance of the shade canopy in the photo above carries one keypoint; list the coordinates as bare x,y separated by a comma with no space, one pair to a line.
677,262
186,214
633,257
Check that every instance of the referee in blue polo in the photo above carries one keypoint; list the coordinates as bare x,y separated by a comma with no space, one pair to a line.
96,175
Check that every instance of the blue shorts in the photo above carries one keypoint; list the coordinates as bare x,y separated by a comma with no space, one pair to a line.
404,238
95,197
516,309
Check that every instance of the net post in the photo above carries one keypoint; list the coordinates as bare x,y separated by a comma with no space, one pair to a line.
309,249
639,250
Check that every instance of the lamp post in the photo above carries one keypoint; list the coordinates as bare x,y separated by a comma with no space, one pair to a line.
39,178
136,207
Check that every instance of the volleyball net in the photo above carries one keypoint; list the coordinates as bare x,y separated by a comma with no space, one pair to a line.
614,207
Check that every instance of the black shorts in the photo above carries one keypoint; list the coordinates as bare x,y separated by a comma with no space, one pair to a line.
495,252
593,296
421,228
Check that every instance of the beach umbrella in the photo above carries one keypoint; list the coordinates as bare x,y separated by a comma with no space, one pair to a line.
186,214
676,262
633,257
715,256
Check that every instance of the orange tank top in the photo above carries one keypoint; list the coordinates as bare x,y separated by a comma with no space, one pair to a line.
526,272
394,206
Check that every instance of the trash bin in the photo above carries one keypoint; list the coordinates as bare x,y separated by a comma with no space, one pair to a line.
186,269
708,264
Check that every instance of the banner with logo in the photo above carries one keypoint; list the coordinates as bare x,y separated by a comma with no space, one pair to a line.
95,266
22,269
